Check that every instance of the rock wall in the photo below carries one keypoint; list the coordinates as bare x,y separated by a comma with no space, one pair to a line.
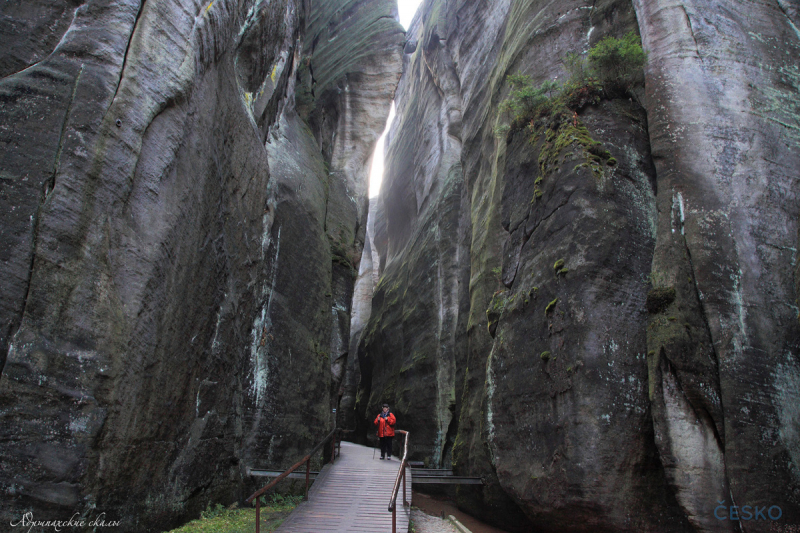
611,347
724,374
183,198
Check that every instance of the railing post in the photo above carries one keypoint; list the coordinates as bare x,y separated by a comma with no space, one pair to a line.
258,514
333,448
404,484
401,476
308,471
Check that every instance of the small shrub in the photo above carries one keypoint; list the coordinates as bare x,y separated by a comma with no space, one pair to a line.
213,512
618,63
282,502
497,272
525,100
612,68
576,67
218,519
501,130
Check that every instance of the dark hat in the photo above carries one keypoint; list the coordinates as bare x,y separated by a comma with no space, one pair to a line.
386,405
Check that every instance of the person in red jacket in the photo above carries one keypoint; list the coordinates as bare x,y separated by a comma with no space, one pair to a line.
385,422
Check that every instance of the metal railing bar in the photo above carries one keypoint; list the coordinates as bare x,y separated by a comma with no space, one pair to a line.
401,476
272,473
305,460
286,473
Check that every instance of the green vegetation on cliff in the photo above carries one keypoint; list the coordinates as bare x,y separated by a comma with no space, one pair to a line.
611,69
618,63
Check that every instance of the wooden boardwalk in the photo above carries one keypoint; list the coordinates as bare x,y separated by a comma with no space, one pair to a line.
352,495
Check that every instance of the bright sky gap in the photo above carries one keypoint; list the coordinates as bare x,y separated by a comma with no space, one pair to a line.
406,9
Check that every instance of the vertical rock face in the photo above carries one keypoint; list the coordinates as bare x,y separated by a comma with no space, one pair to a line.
722,104
411,341
611,347
181,185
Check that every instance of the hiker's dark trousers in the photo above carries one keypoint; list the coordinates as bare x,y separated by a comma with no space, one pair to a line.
386,446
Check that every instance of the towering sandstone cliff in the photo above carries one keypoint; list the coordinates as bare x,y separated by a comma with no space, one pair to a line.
613,346
599,316
183,193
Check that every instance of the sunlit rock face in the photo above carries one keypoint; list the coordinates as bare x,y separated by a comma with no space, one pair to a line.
183,193
611,347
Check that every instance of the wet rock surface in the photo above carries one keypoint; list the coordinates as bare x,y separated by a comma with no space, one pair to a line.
596,314
175,242
724,368
615,365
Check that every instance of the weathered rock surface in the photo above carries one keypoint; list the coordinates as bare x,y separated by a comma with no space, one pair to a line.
612,349
188,269
174,242
724,372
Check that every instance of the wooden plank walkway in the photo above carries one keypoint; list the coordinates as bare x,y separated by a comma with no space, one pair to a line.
352,495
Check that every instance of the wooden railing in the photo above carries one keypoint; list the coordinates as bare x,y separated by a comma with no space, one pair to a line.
401,476
305,460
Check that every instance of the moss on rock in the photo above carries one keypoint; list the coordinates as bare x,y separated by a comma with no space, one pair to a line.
659,299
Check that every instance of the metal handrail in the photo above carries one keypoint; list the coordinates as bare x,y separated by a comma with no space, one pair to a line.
307,460
401,475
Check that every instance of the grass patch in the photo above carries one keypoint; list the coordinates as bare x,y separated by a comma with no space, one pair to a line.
219,519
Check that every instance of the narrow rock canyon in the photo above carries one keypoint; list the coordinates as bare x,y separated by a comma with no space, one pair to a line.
579,281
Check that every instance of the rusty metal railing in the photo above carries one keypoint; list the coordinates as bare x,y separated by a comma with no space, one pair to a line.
401,476
305,460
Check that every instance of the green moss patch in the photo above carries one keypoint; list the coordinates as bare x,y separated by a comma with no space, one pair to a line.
659,299
495,310
611,69
562,132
